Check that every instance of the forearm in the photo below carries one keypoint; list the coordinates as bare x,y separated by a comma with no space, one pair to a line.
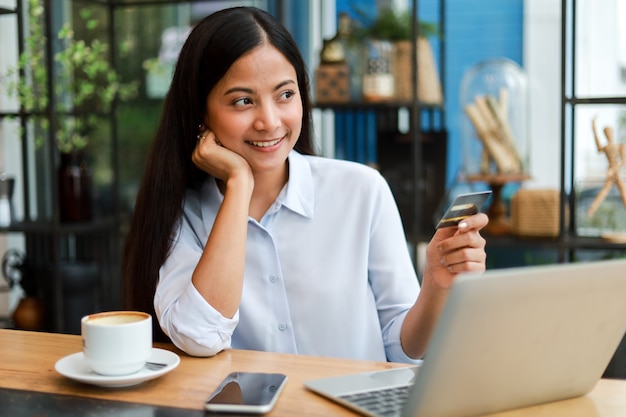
218,277
450,252
421,319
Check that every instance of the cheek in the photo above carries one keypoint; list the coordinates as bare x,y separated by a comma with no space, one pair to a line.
295,120
227,128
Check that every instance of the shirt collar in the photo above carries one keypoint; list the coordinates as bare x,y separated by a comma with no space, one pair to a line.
299,194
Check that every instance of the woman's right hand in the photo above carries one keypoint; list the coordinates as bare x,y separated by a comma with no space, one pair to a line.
218,276
216,160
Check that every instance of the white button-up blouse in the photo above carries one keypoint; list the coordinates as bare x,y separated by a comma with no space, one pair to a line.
327,269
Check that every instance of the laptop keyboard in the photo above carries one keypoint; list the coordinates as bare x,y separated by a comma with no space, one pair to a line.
386,402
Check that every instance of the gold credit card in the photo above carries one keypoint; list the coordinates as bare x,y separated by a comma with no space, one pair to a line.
464,205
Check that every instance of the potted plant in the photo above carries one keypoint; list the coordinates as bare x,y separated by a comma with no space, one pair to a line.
85,86
397,27
391,24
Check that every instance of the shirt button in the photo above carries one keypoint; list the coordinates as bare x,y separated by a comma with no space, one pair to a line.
273,278
282,326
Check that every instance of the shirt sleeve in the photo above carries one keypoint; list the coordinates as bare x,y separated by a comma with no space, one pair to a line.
391,272
185,316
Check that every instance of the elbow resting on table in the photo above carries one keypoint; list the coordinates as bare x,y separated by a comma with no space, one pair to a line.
200,351
195,348
199,347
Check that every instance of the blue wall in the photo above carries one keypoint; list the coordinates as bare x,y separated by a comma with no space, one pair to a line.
476,30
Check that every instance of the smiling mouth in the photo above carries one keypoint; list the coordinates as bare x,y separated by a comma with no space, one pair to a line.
265,144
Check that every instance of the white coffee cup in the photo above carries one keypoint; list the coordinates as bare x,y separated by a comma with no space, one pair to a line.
117,342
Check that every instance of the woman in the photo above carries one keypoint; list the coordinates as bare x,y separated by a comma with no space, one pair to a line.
247,240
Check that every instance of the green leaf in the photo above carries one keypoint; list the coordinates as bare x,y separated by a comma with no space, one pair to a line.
391,25
84,14
91,24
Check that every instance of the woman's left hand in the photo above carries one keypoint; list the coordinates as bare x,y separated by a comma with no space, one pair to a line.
453,250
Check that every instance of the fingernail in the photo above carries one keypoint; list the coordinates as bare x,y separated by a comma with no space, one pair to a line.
463,225
442,261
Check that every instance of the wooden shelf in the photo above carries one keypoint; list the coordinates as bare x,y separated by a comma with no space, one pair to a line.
364,105
47,227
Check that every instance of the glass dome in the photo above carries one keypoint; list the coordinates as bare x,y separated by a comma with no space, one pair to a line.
494,99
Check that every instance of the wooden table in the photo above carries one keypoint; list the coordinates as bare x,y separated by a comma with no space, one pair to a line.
27,362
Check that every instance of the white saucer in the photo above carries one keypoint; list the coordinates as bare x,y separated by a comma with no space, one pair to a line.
74,367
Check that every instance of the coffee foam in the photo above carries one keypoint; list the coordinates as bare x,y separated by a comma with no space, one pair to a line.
114,319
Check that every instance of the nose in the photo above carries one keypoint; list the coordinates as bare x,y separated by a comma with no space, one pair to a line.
267,118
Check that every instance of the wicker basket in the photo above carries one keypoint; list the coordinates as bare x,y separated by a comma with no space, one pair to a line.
535,213
332,83
428,84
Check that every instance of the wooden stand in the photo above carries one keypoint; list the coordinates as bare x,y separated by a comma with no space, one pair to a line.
499,223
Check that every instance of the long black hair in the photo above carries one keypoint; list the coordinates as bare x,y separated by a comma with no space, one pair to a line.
213,45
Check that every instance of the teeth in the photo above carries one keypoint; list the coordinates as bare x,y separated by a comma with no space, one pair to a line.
266,144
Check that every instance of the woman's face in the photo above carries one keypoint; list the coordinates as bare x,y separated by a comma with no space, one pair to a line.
255,110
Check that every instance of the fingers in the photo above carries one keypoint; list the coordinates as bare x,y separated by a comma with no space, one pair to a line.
217,160
470,238
467,234
205,133
465,249
206,151
475,222
464,260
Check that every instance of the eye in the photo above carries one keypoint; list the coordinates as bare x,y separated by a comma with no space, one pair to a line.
286,95
244,101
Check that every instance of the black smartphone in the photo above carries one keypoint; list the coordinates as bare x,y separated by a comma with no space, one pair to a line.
464,205
247,392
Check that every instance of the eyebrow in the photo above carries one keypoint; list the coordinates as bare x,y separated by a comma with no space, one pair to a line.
251,91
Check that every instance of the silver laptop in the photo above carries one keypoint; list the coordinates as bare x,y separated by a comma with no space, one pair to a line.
506,339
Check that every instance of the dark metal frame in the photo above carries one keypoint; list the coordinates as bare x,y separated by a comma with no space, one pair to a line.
568,240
